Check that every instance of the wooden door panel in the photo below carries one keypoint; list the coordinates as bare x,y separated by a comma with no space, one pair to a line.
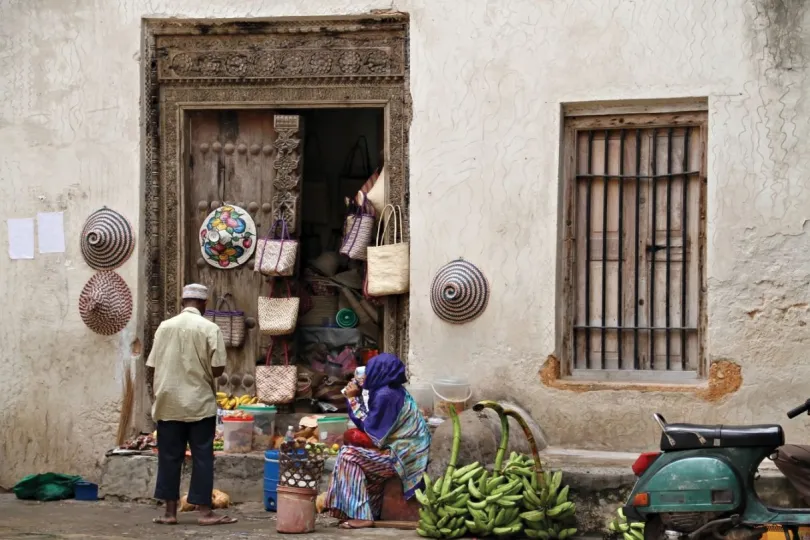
229,159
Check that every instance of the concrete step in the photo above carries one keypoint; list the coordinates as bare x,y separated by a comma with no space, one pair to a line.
600,481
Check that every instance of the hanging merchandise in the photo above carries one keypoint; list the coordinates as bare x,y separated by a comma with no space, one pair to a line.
278,316
357,232
105,303
276,385
376,195
232,323
389,266
459,293
276,256
374,190
227,237
107,239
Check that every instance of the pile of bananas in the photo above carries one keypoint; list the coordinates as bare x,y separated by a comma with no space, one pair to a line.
630,531
548,514
496,504
517,499
444,512
229,403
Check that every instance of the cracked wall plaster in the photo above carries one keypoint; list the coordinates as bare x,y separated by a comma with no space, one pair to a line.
487,80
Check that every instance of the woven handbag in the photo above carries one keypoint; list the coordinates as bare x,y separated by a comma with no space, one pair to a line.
276,385
231,322
358,232
388,265
278,316
276,255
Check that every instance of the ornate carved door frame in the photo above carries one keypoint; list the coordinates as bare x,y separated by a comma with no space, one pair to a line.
262,63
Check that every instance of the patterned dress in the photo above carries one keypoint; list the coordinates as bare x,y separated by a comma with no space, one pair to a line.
356,488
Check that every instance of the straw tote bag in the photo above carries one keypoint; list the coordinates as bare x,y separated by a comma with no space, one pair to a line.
278,316
230,322
276,385
358,232
389,266
276,256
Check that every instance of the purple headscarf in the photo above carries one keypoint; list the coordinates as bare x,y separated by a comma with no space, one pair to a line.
385,375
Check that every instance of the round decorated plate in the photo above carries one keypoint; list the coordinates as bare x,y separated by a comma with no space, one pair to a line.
227,237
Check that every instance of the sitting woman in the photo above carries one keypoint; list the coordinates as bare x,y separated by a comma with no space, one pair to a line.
401,441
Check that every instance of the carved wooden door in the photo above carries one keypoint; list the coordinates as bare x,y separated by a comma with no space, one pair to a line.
247,158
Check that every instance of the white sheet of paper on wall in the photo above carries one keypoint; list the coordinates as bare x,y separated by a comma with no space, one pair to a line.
21,238
51,232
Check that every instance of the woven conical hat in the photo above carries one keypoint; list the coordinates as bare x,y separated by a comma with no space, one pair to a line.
105,303
107,239
460,292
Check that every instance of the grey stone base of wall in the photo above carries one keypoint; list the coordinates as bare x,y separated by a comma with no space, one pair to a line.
600,481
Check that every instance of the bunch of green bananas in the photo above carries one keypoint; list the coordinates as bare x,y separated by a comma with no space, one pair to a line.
516,499
548,514
444,513
630,531
495,504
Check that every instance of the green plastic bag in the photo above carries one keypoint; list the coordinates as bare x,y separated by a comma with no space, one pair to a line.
46,487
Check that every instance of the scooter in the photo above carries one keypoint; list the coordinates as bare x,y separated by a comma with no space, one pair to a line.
702,483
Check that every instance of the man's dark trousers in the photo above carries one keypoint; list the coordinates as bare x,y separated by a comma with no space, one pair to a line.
172,438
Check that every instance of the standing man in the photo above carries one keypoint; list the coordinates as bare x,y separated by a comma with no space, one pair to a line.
187,355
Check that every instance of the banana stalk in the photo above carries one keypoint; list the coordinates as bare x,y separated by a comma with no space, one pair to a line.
451,467
495,406
538,465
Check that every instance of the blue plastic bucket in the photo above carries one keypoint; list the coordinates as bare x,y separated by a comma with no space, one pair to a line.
270,500
271,472
85,491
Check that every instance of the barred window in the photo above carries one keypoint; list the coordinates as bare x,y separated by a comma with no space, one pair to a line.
634,239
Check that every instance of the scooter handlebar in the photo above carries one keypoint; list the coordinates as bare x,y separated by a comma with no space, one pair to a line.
803,408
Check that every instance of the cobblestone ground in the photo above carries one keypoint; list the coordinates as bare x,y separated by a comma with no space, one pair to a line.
23,520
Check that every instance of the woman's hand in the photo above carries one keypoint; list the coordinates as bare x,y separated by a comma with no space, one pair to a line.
352,390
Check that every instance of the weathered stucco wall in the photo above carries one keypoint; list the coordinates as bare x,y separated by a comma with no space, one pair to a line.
484,167
487,80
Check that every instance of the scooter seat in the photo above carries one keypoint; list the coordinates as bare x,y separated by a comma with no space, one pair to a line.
692,436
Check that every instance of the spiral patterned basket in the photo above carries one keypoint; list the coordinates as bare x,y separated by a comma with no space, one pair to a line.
107,239
459,293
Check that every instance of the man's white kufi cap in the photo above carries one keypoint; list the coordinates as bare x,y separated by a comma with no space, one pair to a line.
195,291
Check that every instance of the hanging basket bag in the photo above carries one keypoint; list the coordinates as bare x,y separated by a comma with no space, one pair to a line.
278,316
231,322
276,385
389,269
276,255
358,232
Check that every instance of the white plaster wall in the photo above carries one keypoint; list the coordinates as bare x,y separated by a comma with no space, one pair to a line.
487,80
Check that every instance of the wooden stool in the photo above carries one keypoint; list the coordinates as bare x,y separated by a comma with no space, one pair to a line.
394,505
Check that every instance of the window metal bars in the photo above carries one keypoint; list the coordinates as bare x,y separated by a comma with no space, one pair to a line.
639,178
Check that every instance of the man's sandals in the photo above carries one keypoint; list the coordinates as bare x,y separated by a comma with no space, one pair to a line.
205,521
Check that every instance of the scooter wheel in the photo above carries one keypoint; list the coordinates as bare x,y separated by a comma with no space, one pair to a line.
654,529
